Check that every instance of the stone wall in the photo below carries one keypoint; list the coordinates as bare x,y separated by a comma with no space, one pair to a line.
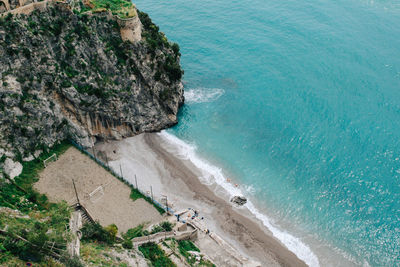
4,6
7,5
22,6
131,28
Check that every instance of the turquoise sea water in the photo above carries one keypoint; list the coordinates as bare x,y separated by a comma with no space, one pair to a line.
299,102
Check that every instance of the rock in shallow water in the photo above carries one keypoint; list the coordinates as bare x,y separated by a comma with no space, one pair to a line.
240,200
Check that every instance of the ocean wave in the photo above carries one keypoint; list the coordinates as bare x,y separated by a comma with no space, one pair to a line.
203,95
212,174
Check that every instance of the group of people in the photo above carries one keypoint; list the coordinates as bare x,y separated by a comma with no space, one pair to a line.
196,214
229,180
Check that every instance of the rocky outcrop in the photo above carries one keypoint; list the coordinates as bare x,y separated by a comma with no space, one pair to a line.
65,74
11,168
239,200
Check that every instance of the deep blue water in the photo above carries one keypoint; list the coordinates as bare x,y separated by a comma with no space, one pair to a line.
300,101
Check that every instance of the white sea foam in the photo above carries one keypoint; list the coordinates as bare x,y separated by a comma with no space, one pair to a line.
203,95
212,174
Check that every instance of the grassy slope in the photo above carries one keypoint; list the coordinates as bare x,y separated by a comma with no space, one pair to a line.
40,221
121,8
19,194
156,255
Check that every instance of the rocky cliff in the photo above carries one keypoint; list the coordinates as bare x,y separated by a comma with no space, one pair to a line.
68,74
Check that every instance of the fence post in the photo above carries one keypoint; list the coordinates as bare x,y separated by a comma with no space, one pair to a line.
76,193
120,168
94,153
151,190
166,203
136,183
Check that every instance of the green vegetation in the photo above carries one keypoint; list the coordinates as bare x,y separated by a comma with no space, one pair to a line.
138,230
115,44
19,194
167,226
135,232
34,236
127,243
185,246
27,235
173,68
112,231
156,255
13,261
121,8
162,227
37,230
91,90
154,38
30,172
39,233
95,232
136,194
100,254
157,40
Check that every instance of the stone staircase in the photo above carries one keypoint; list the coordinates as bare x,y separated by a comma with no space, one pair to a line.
86,218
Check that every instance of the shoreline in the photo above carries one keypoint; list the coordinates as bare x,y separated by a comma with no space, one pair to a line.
146,158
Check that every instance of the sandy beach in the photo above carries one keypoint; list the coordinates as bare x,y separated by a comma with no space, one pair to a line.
147,158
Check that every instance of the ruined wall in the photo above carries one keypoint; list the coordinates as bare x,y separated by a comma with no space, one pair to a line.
4,6
131,28
22,6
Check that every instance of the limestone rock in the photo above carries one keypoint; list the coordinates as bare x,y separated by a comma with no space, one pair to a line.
75,78
37,153
239,200
12,168
29,158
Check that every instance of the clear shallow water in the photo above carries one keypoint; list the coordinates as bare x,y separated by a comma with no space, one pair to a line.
299,102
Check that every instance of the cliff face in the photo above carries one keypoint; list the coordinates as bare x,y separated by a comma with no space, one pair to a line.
66,74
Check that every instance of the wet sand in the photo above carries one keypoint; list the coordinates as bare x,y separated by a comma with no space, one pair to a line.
148,158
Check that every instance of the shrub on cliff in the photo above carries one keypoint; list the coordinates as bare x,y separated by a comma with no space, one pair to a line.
35,235
127,244
153,37
156,39
156,255
175,47
173,69
134,232
94,231
112,231
166,225
71,261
